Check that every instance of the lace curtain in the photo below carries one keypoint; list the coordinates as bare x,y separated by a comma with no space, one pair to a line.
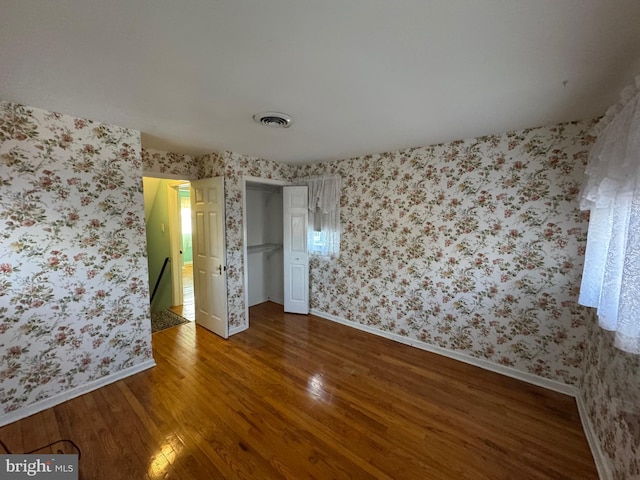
324,215
611,276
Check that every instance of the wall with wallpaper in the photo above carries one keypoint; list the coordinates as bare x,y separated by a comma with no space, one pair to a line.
74,305
611,392
156,163
474,246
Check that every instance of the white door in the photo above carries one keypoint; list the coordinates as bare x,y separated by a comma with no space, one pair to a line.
209,269
296,259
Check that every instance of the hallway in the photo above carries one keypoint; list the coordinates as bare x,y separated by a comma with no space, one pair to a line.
187,309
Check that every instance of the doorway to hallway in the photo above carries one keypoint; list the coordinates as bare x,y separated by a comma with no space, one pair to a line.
183,239
187,309
169,244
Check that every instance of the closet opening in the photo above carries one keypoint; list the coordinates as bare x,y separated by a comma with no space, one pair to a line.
263,234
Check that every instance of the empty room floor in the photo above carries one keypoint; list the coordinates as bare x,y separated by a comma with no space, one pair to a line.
301,397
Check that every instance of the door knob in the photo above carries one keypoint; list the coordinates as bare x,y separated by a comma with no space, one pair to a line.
220,269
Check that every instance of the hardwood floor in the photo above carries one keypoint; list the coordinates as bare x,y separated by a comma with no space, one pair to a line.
188,307
300,397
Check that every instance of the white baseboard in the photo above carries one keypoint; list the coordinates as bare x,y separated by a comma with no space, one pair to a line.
596,451
73,393
257,301
478,362
600,459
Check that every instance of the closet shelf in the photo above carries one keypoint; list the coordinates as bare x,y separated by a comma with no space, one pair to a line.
265,247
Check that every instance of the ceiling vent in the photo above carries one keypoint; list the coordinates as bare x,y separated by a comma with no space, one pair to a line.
273,119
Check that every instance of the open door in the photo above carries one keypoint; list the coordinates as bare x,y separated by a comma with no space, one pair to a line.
296,258
209,269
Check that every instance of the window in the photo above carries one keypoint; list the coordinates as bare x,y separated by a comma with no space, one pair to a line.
324,215
318,241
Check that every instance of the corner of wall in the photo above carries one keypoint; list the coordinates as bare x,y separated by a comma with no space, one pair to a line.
74,279
599,458
67,395
609,403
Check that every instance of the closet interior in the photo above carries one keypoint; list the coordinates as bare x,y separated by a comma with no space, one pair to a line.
265,270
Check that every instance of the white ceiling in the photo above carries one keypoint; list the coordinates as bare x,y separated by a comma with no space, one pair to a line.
358,76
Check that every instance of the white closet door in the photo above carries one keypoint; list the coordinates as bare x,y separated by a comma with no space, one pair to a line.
296,258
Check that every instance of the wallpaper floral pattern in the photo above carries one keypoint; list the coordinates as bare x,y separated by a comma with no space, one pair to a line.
210,165
611,391
74,300
474,246
156,163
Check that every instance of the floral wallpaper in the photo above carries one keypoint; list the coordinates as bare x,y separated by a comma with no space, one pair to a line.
156,163
210,165
474,246
611,391
74,300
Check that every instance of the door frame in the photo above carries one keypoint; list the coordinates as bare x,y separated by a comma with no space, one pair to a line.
245,258
175,239
159,176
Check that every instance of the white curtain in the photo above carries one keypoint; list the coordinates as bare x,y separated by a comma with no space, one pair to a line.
324,215
611,276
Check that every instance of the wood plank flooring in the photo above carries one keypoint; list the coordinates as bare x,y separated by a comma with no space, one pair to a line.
300,397
188,307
